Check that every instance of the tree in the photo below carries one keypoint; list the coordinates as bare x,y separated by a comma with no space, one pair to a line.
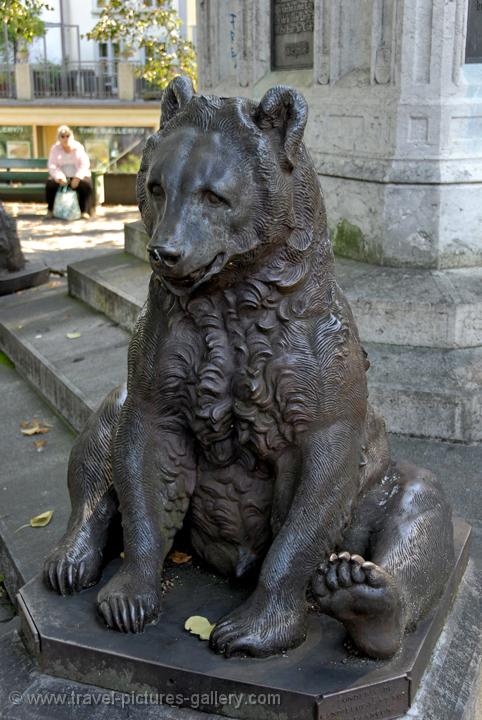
155,30
22,18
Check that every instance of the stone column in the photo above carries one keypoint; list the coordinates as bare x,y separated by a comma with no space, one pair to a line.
23,81
395,123
232,42
126,81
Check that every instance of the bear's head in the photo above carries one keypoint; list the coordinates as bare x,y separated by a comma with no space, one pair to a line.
223,183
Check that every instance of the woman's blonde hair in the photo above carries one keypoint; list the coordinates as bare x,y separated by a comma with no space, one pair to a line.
64,129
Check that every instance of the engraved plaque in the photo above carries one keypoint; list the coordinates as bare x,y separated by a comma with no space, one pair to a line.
292,22
372,702
473,50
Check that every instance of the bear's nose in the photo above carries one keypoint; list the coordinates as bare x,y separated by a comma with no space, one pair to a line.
166,255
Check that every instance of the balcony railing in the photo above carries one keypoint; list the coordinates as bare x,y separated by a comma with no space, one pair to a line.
80,80
145,90
7,82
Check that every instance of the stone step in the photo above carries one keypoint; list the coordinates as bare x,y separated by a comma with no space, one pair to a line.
400,306
420,308
72,373
115,284
135,240
427,392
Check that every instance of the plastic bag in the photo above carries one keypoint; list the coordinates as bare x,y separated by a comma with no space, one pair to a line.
66,204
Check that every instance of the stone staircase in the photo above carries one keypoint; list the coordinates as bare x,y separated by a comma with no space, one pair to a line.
422,330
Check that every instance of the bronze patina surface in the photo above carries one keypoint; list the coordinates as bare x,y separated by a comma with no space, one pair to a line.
245,420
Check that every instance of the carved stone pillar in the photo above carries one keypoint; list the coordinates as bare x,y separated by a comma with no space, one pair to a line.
126,81
23,81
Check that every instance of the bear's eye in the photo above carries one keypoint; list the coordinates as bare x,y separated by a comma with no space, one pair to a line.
214,199
156,189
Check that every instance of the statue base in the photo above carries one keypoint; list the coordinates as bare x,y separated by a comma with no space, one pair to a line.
33,274
320,679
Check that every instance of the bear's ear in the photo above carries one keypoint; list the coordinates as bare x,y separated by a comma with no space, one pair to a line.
285,110
175,96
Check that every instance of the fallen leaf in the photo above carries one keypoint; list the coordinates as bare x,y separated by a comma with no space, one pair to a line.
38,521
73,335
41,520
200,626
122,555
33,428
179,558
54,284
40,444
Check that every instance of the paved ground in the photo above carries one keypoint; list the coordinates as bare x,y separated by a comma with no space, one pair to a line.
58,243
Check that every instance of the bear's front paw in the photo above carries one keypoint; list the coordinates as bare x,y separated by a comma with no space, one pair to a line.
129,602
263,625
70,569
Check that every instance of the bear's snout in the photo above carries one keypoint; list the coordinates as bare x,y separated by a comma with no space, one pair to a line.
166,255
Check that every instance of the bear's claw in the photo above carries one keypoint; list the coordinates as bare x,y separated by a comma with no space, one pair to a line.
125,609
67,575
258,628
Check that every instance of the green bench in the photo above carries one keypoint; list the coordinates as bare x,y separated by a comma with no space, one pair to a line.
24,179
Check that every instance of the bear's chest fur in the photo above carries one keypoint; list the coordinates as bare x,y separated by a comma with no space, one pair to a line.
246,399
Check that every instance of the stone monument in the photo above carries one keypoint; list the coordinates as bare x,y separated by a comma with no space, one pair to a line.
245,426
395,113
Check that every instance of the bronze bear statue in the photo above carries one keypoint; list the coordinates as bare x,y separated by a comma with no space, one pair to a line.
245,418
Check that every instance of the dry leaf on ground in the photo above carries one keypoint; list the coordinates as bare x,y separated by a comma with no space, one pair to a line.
73,335
179,558
38,521
41,520
40,444
200,626
34,427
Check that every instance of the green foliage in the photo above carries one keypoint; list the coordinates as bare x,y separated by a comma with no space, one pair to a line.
5,360
22,18
155,30
128,164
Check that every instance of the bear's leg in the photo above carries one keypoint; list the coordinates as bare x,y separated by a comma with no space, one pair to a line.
273,618
154,476
407,561
77,560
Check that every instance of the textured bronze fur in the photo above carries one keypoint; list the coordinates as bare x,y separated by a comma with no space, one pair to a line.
245,417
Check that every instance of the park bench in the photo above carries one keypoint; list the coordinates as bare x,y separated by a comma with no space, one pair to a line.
24,179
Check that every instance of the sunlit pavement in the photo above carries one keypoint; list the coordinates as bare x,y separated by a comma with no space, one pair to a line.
58,243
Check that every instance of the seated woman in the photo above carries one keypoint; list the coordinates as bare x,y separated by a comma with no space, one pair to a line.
69,164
